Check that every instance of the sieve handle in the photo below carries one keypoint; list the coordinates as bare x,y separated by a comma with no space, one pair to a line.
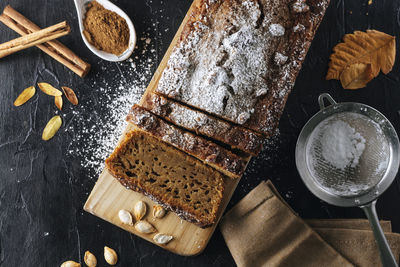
322,98
385,252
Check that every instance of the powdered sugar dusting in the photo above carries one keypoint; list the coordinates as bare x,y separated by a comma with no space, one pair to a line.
224,74
299,27
276,30
108,105
299,6
223,65
204,124
280,59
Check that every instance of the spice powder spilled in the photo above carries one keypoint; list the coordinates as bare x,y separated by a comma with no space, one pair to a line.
106,30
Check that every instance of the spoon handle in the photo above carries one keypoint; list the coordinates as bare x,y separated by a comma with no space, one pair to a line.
385,252
79,5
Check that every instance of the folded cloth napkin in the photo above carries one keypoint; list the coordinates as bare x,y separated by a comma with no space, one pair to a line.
358,224
359,246
262,230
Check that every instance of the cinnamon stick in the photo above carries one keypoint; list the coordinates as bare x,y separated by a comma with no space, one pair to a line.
55,49
34,38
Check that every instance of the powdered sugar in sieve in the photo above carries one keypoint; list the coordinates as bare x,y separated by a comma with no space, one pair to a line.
347,154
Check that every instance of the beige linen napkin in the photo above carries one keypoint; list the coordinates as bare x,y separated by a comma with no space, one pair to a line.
262,230
359,246
358,224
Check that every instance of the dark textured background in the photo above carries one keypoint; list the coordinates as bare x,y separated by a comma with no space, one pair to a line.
42,191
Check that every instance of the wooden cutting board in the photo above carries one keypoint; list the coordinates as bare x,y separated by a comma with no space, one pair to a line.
109,196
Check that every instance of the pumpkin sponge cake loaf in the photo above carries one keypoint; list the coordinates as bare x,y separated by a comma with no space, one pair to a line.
209,152
177,181
235,136
238,59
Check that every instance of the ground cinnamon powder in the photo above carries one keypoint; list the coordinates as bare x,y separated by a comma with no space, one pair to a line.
106,30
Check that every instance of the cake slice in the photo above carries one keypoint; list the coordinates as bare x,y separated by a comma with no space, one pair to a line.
207,151
196,121
178,182
239,59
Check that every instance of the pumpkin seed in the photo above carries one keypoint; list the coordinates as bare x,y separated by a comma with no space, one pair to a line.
27,94
140,210
49,90
158,212
90,259
144,227
162,239
51,128
70,264
110,256
125,217
70,94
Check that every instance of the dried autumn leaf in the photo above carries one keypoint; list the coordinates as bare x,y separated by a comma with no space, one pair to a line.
51,128
356,76
27,94
58,101
371,47
70,94
49,90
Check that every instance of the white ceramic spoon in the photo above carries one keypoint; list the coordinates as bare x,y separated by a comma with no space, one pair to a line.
81,6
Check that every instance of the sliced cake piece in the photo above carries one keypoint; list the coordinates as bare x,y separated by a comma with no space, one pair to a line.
235,136
176,181
239,59
209,152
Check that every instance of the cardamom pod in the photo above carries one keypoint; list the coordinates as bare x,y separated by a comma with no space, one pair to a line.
51,128
49,90
70,94
58,101
27,94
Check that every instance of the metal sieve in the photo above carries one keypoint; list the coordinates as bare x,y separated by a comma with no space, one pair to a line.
371,167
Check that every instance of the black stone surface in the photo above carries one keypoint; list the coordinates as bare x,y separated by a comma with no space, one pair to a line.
42,191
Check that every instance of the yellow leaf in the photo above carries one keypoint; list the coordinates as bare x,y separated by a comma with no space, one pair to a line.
27,94
49,90
371,47
356,76
51,128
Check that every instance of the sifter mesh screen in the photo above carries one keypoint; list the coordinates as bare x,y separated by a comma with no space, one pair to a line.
353,173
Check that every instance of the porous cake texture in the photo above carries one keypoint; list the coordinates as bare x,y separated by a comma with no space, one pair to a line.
180,183
205,150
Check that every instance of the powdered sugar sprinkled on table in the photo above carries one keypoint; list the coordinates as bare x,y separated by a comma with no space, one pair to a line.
110,102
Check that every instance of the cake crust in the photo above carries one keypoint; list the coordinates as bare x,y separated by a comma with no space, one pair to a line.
235,136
